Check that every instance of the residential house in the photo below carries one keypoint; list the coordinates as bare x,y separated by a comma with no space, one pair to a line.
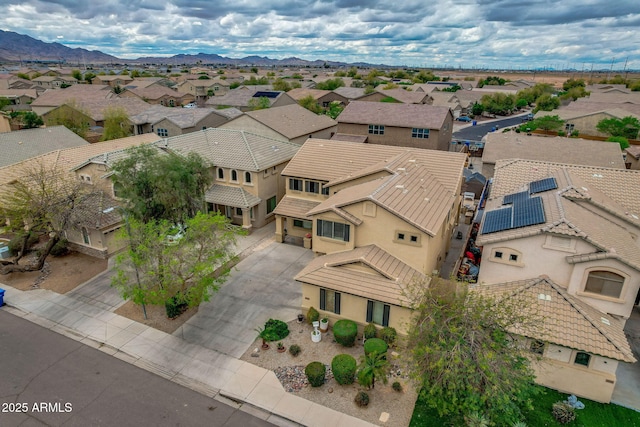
112,80
350,93
167,122
406,125
24,144
93,232
290,122
54,82
244,98
583,117
378,217
20,99
5,123
576,151
401,95
202,89
158,95
246,168
79,94
632,157
322,97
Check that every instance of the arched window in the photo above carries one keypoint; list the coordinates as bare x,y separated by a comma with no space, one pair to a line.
85,236
220,173
605,283
247,177
234,175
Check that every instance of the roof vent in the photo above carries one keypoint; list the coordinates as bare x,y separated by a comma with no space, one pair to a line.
400,186
402,169
412,160
544,297
111,209
597,175
605,321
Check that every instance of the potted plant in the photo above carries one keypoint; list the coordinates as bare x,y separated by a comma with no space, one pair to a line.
324,324
264,334
281,348
300,318
316,335
306,242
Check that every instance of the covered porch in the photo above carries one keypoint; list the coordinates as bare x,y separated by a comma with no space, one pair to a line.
233,202
292,220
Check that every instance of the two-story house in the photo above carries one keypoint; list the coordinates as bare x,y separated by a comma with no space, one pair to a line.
378,217
577,227
167,122
404,125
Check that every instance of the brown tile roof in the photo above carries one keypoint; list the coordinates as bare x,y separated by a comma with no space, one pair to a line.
24,144
563,319
405,96
512,145
294,207
398,115
98,211
349,138
181,117
292,120
386,282
155,92
236,197
299,93
633,150
78,93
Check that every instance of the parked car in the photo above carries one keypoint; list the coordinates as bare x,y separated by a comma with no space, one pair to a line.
464,119
191,105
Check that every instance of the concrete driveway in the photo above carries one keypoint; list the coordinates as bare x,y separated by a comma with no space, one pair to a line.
627,389
260,287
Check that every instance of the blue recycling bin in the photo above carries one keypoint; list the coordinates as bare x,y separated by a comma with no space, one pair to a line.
1,297
473,123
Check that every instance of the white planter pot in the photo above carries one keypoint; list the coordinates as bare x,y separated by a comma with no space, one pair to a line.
324,326
316,337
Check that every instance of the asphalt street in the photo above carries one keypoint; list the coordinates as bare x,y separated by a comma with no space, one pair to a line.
475,133
47,379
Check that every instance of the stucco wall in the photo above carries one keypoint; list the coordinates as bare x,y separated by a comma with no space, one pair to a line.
401,137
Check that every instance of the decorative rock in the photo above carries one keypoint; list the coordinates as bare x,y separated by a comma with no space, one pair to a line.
255,354
330,390
384,417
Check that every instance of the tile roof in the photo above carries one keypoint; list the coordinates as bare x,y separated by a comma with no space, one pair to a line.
240,97
405,96
292,120
398,115
294,207
154,92
633,150
512,145
560,318
236,197
181,117
79,93
299,93
234,149
349,138
350,92
24,144
386,284
98,211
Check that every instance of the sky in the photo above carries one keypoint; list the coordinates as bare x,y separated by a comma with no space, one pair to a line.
497,34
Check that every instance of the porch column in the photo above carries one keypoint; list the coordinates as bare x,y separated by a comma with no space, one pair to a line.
279,229
246,218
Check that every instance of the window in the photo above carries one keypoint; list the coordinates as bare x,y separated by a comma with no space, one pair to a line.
271,204
605,283
117,190
234,175
400,236
420,133
513,257
376,129
414,239
537,347
172,103
568,127
247,177
378,313
274,170
406,238
325,191
302,224
85,236
220,173
330,301
498,255
162,132
295,184
238,211
582,358
312,187
333,230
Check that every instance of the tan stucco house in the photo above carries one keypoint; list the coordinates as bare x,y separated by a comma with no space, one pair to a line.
167,121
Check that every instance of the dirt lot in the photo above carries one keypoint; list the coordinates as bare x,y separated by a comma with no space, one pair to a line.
60,274
156,316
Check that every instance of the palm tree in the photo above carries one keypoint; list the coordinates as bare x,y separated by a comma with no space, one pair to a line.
372,365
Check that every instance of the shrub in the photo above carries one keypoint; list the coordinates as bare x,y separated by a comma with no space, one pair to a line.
15,244
362,399
389,335
175,306
343,367
60,248
375,344
345,331
315,372
275,330
370,331
295,350
396,386
312,315
563,412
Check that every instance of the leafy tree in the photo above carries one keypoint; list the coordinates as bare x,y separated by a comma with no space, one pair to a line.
353,71
31,120
571,83
72,116
260,103
521,103
624,142
461,351
331,84
310,103
498,103
156,186
391,85
477,109
44,201
4,102
626,127
234,85
254,70
186,271
252,81
24,76
117,89
546,102
533,93
373,365
453,88
334,109
76,74
340,73
88,77
575,93
134,74
544,123
492,80
425,76
116,123
283,85
635,86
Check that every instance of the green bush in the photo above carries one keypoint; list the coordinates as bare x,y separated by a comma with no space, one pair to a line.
396,386
375,344
345,331
315,372
389,335
362,399
312,315
15,244
370,331
275,330
344,367
295,350
60,248
175,306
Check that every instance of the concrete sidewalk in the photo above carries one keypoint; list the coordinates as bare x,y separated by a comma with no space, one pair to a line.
203,370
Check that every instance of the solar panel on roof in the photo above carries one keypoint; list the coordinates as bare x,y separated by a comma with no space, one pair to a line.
513,197
543,185
528,212
266,94
497,220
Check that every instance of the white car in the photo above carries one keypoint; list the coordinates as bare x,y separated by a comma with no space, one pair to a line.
191,105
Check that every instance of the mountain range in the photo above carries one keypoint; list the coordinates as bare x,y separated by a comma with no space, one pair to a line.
16,47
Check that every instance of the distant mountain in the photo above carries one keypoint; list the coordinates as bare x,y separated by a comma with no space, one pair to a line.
17,47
